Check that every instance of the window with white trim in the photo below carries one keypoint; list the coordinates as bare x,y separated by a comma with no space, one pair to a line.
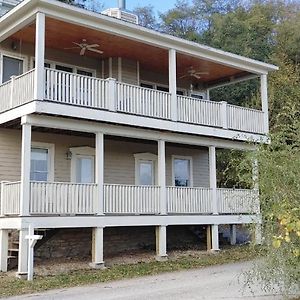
182,171
11,66
42,163
145,168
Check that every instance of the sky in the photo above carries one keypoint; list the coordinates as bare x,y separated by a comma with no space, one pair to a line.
160,5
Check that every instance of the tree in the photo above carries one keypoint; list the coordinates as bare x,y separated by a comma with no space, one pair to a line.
146,17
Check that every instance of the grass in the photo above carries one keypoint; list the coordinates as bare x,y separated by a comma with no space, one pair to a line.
11,286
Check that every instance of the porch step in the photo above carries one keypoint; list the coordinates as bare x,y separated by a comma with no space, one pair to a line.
13,252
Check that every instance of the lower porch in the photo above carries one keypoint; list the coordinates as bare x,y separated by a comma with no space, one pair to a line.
62,198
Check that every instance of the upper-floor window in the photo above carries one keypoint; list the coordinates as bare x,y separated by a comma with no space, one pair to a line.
11,67
182,171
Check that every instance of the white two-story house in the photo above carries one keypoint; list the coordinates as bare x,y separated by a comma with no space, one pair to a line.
104,123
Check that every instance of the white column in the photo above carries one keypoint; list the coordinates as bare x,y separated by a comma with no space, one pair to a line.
99,172
23,254
97,248
213,178
264,100
25,170
215,238
162,176
161,242
3,250
172,83
39,56
232,234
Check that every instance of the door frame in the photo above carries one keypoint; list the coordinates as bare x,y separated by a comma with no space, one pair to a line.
139,157
74,153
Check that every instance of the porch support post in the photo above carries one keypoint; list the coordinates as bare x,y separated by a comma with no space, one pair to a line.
258,234
232,234
213,178
208,237
264,100
99,204
25,170
162,176
161,242
215,237
39,77
97,248
23,254
172,83
3,250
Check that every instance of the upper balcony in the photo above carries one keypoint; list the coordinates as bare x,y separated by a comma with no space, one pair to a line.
131,75
111,95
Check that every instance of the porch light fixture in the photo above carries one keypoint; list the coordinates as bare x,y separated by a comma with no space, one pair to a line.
69,155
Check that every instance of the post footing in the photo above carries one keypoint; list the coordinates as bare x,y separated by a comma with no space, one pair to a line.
97,266
161,258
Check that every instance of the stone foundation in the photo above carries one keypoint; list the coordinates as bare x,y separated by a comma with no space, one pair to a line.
76,243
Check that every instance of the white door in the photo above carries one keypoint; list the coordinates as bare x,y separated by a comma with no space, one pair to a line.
85,170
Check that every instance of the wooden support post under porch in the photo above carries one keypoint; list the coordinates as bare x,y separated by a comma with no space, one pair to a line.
161,242
23,254
97,248
232,234
3,250
212,237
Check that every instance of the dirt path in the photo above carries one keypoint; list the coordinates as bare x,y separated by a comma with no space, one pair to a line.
217,282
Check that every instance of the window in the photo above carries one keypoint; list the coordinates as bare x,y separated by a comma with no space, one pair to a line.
64,68
146,172
182,171
85,73
11,66
145,168
39,164
85,169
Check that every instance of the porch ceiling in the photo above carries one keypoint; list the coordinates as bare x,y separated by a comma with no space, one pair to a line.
61,35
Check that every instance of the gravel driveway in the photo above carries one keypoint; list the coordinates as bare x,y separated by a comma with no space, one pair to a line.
217,282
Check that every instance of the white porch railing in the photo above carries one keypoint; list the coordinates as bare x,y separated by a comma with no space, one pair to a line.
189,200
237,201
10,198
197,111
131,199
62,198
17,91
75,89
245,119
143,101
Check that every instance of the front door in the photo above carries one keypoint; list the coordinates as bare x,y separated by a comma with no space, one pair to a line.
85,170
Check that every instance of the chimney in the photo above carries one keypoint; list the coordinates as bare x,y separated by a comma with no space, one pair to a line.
121,13
122,4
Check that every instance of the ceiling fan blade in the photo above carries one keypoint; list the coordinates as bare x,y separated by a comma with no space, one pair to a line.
82,51
201,73
183,76
72,48
77,44
93,46
196,76
95,50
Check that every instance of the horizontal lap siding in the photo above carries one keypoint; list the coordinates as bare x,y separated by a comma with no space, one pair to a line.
119,157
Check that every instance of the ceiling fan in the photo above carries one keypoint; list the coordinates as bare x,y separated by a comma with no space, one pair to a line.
84,46
191,72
